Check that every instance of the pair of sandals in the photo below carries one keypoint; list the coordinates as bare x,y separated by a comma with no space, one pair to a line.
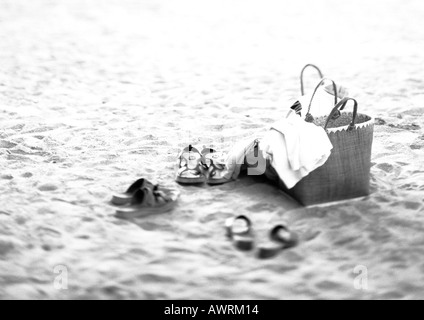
195,167
240,230
144,198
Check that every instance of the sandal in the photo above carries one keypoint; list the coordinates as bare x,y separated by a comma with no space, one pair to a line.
239,229
147,201
126,197
191,167
282,238
216,168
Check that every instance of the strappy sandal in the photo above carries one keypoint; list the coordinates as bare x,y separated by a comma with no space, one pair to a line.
216,169
191,168
148,201
239,229
126,197
281,238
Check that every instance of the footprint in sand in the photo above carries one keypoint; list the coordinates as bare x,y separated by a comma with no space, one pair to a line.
7,144
345,241
46,231
47,187
214,216
261,207
18,127
150,226
380,236
348,217
310,235
380,122
51,239
292,257
411,205
155,278
409,186
327,285
6,247
392,295
403,164
387,167
83,237
414,80
115,292
419,144
409,127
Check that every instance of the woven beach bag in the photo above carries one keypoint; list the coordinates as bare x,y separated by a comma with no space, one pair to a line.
346,174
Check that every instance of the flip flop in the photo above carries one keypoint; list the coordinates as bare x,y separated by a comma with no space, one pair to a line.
126,197
282,238
190,168
239,229
216,168
147,201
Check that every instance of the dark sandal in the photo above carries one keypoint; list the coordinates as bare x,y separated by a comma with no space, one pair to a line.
191,168
216,170
148,201
126,197
282,238
239,229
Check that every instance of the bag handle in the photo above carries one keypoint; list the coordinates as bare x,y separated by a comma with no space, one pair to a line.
340,106
302,86
309,117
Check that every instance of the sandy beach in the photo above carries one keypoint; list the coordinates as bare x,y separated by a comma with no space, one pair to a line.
96,94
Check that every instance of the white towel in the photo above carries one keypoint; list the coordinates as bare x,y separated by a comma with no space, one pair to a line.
295,148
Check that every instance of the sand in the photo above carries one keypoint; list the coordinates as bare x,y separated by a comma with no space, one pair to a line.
95,94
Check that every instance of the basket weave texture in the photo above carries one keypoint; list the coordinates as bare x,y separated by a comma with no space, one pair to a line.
346,174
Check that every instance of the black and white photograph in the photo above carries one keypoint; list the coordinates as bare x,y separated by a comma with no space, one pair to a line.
225,150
